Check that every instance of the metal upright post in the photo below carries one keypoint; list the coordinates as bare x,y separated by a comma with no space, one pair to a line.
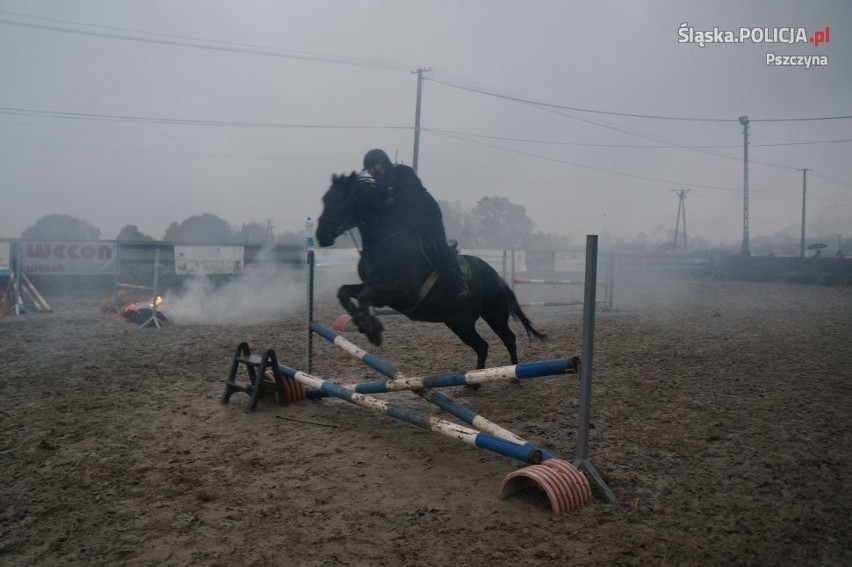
309,346
804,201
581,461
677,222
156,290
416,158
16,282
745,249
610,282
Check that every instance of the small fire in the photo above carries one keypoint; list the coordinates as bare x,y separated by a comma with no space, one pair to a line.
142,311
156,302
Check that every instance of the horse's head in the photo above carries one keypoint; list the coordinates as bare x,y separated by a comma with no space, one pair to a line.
345,205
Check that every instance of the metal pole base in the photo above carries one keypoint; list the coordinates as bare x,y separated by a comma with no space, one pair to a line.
586,466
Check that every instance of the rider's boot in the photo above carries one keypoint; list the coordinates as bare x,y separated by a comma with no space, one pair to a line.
462,289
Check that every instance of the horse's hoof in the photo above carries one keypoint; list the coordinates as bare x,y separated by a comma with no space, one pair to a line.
373,328
375,337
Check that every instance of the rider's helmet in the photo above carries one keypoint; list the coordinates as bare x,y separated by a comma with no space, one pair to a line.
374,157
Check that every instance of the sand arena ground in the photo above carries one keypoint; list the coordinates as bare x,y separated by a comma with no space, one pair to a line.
720,412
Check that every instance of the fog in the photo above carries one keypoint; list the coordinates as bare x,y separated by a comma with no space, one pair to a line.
265,292
146,113
257,296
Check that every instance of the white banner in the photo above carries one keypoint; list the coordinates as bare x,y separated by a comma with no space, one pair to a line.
337,258
208,260
64,258
5,258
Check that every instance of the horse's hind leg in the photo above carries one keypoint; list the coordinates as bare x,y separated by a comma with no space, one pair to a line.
466,331
498,320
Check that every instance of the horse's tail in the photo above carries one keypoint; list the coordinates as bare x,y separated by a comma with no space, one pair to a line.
518,314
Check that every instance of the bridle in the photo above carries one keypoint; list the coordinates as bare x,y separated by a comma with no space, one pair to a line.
339,226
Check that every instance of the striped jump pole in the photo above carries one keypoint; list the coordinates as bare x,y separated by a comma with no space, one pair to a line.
546,282
420,386
524,453
549,303
606,284
400,381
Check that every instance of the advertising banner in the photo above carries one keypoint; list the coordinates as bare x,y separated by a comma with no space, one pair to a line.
5,258
69,258
209,260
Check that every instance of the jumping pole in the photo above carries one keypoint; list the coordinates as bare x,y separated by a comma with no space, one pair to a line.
581,461
422,386
565,484
154,320
524,453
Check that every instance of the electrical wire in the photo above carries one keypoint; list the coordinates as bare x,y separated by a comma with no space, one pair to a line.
34,112
495,93
112,32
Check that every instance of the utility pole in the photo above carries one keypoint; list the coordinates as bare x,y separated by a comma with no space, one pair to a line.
270,237
419,72
681,212
745,249
804,171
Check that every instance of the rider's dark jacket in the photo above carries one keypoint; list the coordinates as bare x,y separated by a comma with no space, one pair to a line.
405,193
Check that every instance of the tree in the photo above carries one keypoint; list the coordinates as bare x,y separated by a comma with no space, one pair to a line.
201,229
253,233
131,233
291,238
496,222
546,241
454,219
61,227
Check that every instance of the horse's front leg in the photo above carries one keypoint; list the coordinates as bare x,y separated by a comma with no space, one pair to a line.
352,299
396,294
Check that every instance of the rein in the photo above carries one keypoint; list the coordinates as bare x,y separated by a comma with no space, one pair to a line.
392,236
424,291
354,242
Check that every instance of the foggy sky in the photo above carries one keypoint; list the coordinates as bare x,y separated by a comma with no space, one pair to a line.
266,99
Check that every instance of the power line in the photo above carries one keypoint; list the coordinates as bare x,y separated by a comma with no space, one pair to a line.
812,142
196,42
494,93
183,121
801,119
764,194
831,180
491,91
236,47
572,108
636,146
593,168
623,130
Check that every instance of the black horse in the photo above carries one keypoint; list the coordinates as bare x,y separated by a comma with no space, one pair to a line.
397,270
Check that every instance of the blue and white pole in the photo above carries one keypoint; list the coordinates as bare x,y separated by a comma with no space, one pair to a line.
399,381
524,453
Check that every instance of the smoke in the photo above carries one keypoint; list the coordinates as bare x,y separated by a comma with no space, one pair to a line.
265,292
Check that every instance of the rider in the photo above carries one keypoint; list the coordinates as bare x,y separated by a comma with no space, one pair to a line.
402,186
